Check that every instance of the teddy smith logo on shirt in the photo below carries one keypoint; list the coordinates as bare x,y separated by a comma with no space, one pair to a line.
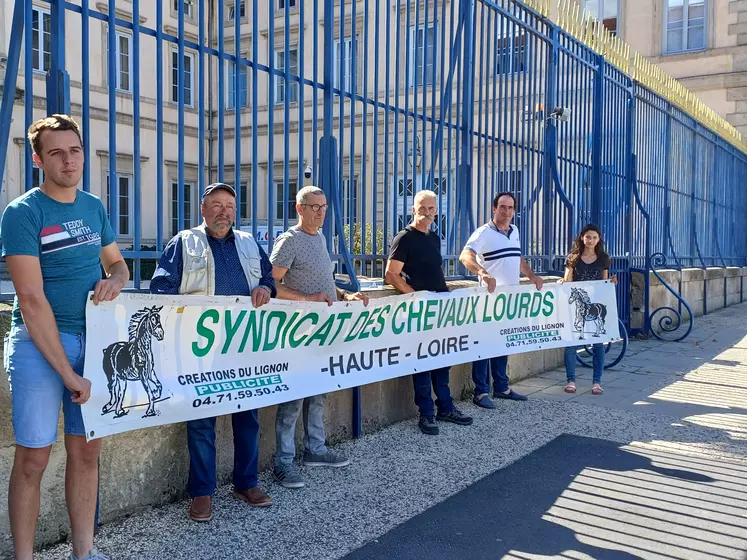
69,234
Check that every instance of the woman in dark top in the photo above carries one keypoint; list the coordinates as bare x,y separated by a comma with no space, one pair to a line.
587,261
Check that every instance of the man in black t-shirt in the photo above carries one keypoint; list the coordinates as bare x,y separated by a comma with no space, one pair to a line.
415,265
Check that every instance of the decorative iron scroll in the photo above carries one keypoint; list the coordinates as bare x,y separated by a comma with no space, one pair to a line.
671,321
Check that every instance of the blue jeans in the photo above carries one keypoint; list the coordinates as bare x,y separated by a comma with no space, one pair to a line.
422,382
597,362
498,367
285,428
37,390
201,443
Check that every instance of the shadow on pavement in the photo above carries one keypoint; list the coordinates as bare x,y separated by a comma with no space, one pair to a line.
586,496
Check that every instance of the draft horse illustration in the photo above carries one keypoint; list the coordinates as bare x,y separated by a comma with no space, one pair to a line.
133,361
586,311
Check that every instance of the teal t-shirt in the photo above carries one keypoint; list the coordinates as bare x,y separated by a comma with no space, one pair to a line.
67,238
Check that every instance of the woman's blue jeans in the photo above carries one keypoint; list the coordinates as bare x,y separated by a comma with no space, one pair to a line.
597,362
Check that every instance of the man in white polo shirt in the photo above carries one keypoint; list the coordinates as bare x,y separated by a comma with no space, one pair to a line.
493,253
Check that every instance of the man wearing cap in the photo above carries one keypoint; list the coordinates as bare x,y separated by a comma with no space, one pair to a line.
226,262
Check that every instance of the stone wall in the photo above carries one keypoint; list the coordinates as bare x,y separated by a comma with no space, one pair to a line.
149,467
703,289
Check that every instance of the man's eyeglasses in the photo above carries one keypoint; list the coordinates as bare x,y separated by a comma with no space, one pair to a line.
316,207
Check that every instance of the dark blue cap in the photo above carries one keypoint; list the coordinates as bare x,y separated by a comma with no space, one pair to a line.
218,186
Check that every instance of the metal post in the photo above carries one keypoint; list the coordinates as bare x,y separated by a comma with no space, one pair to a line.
629,152
464,170
667,201
28,86
159,126
112,77
326,143
58,80
9,86
596,143
137,203
549,153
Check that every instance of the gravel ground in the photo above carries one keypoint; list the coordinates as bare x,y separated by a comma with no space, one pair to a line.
397,472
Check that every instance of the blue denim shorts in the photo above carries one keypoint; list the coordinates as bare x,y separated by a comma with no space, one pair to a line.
37,389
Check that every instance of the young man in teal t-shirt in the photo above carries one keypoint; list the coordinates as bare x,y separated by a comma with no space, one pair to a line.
55,239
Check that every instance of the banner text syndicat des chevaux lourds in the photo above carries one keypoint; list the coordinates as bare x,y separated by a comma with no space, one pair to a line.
162,359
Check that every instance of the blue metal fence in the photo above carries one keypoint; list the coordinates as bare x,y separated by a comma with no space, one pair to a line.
374,100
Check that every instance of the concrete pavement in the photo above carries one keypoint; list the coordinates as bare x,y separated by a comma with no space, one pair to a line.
654,468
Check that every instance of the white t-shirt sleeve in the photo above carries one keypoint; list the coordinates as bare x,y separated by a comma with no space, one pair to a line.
475,241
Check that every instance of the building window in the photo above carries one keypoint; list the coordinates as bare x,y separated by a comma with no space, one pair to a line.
512,180
189,191
188,8
124,220
282,4
189,65
685,25
605,11
349,200
346,53
41,39
404,196
37,177
123,61
423,56
280,93
286,207
232,10
243,86
245,209
511,57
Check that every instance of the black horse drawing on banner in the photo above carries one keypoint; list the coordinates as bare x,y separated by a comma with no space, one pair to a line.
586,311
133,361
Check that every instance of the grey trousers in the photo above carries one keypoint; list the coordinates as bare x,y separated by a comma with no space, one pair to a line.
285,428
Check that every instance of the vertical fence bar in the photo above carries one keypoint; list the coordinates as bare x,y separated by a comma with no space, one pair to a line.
464,181
28,83
160,185
387,139
137,237
255,124
597,134
395,143
314,100
326,158
286,106
271,81
180,117
549,151
301,88
221,88
113,83
237,106
86,95
375,173
11,75
364,250
201,102
58,80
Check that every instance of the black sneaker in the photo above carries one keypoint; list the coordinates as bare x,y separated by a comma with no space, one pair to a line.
428,425
455,416
511,395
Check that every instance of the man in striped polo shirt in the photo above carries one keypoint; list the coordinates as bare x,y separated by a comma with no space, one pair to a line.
493,253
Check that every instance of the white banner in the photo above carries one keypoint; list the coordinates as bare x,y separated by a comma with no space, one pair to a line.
161,359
